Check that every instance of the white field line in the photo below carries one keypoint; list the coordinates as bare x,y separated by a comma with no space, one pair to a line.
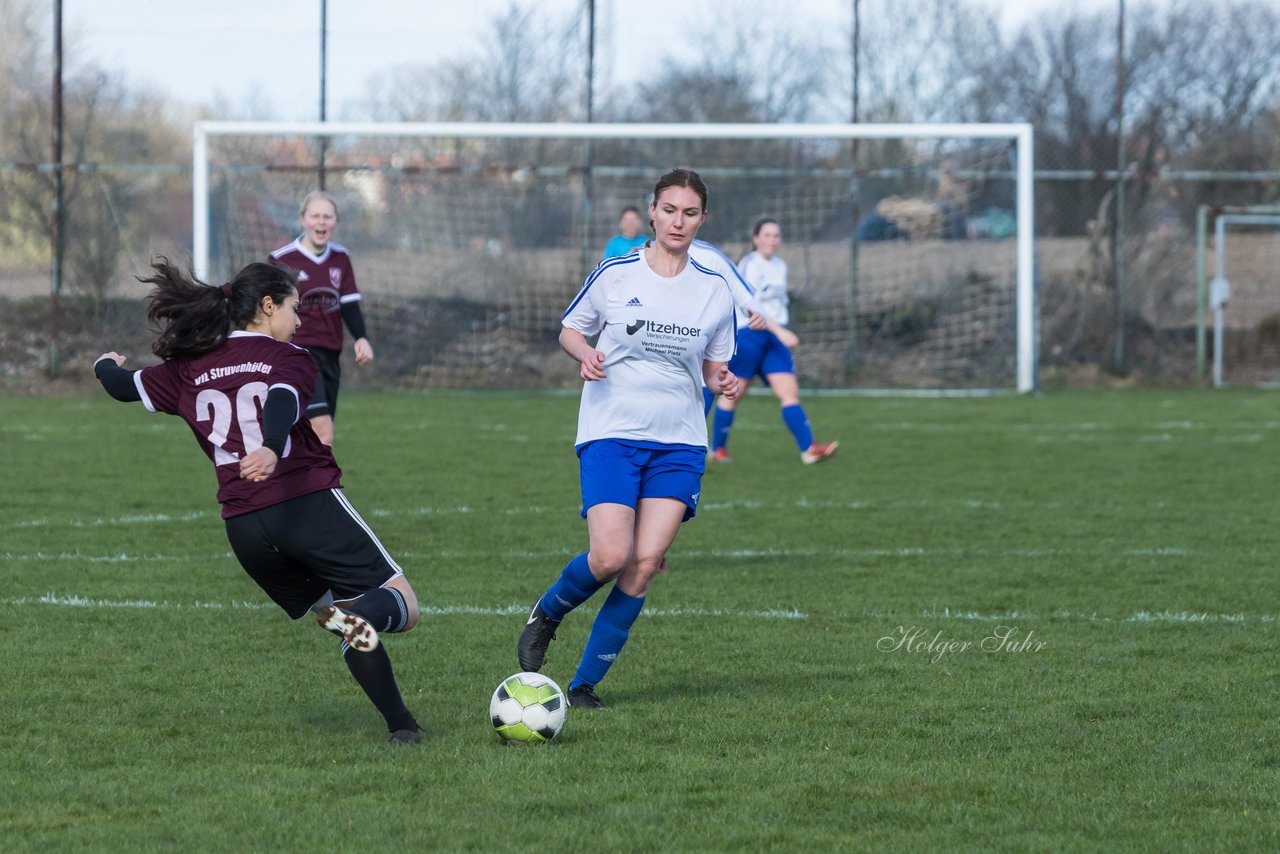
1139,617
810,505
73,601
678,556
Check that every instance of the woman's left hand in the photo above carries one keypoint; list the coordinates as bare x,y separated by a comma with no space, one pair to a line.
728,384
258,465
364,351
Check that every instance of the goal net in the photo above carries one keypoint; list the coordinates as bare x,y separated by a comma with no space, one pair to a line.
908,247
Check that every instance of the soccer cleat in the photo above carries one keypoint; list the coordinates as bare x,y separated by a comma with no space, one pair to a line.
817,453
584,697
720,455
353,628
405,736
539,632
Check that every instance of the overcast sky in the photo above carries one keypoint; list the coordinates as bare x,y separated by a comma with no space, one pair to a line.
267,51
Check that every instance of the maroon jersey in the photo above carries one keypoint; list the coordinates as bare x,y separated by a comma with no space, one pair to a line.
220,395
326,282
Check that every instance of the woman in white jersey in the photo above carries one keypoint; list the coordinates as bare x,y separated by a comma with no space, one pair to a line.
762,353
666,326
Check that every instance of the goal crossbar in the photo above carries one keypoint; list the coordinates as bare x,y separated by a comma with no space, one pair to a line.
1020,134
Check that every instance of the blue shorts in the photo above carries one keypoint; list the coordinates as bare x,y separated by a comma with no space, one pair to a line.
616,471
760,353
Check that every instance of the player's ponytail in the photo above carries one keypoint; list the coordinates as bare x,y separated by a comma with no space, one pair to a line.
193,318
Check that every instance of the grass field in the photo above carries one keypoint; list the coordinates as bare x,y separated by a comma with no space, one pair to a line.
800,680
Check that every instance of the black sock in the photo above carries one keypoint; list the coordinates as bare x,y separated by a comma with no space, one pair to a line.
373,671
384,608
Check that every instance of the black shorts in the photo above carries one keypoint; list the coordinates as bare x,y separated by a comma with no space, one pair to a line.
301,549
325,400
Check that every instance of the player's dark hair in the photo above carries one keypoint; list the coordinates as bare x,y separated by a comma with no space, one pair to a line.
194,318
761,223
629,209
680,177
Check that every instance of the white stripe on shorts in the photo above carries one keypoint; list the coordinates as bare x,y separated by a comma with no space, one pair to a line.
342,499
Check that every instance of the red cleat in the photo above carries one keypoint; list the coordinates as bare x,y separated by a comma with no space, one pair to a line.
817,453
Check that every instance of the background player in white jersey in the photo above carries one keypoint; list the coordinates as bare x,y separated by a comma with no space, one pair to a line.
328,298
230,373
666,326
750,311
765,353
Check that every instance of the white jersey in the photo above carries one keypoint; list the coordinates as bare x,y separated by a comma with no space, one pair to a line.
769,280
744,296
655,334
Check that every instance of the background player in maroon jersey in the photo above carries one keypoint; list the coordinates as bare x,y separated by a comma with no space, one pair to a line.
327,298
229,372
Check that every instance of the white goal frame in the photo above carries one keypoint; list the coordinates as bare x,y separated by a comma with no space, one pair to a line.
1019,133
1219,292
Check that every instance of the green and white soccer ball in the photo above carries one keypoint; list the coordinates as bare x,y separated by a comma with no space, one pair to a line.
527,708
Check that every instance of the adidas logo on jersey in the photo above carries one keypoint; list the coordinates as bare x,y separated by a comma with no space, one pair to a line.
635,303
302,276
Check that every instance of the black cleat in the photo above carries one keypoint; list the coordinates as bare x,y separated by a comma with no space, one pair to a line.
584,697
539,632
405,736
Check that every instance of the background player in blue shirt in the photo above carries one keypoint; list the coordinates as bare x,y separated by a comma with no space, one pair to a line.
631,236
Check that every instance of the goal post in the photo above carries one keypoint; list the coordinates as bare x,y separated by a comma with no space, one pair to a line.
1242,293
947,302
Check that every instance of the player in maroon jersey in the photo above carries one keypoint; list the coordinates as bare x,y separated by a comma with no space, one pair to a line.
230,373
327,298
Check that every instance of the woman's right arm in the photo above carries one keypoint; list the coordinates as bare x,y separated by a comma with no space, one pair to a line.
115,379
590,360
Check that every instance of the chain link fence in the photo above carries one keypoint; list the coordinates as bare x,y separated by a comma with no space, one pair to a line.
1099,316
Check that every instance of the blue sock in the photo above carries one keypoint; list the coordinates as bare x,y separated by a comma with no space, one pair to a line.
608,634
574,586
798,423
707,399
720,427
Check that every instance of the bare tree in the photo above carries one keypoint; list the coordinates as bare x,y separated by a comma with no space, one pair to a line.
518,73
1209,98
416,92
104,124
919,62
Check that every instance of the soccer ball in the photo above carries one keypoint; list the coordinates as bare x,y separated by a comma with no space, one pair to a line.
527,708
